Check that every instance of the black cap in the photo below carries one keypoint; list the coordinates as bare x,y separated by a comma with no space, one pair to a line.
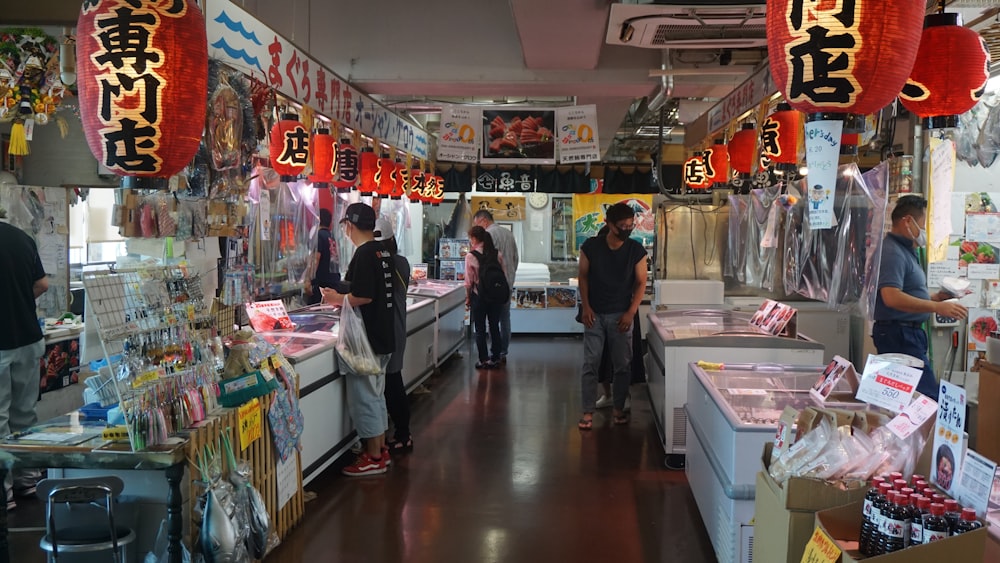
361,216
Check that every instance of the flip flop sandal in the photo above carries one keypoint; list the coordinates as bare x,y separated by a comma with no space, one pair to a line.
585,424
400,446
620,419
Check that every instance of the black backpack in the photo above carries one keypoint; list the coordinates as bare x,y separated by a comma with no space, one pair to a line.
493,286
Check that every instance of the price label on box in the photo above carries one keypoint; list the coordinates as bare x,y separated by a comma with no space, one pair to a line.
887,384
820,549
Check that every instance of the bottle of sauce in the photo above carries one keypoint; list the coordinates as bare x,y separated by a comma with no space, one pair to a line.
935,526
894,525
867,517
968,522
952,513
879,509
923,505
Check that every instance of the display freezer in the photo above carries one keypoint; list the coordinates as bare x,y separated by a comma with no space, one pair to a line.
832,327
679,337
418,359
449,310
731,414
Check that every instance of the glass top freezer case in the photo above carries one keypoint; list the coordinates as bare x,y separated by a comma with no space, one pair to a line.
677,338
731,414
449,310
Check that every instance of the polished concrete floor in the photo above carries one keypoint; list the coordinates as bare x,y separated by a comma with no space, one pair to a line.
500,473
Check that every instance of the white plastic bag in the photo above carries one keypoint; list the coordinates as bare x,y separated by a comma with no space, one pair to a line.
352,342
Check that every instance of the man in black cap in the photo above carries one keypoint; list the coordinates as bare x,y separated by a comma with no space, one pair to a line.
370,279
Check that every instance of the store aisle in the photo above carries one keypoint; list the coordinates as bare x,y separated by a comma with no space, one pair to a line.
501,473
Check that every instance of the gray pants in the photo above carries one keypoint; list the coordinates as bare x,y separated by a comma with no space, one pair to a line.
19,378
620,349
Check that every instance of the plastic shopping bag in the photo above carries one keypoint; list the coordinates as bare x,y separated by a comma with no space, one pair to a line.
352,343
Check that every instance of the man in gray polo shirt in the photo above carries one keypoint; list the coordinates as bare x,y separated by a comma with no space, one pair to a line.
903,303
503,239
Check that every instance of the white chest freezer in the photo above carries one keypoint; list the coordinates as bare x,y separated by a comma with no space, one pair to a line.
677,338
449,310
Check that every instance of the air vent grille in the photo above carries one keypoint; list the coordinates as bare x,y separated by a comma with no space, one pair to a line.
667,33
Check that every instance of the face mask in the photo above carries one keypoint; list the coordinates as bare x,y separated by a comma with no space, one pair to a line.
921,239
624,234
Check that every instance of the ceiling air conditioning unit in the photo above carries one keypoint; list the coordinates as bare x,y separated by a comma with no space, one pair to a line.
688,26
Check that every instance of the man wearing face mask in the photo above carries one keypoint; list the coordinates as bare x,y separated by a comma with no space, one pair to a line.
903,303
612,282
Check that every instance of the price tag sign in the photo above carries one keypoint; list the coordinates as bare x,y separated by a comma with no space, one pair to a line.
946,465
976,483
820,549
913,417
888,384
250,422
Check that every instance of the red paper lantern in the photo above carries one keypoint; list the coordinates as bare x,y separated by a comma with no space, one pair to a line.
716,160
694,172
435,191
779,135
741,149
369,166
400,180
289,147
346,166
953,65
323,152
142,74
415,190
852,56
384,170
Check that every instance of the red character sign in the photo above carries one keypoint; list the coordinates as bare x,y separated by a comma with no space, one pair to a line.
346,166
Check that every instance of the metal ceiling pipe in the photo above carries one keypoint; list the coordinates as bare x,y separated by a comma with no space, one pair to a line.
666,82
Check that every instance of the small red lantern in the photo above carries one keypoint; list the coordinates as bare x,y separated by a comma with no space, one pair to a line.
346,166
779,135
694,172
369,166
842,57
716,162
142,74
289,147
435,191
323,150
417,184
953,65
400,180
384,170
741,149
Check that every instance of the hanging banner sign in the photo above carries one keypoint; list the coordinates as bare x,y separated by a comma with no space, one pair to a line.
511,180
504,208
744,97
459,141
589,211
238,39
576,132
518,135
822,156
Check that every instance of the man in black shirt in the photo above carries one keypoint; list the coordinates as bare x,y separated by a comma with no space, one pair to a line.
612,282
325,266
370,278
22,280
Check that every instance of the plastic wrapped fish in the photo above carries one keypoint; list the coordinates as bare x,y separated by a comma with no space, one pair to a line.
218,537
966,138
989,138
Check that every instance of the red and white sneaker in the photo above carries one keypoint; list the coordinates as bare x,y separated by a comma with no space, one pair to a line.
365,465
385,456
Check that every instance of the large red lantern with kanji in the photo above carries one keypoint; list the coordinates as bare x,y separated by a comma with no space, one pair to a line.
142,74
953,65
780,134
742,148
369,166
435,191
847,56
384,179
694,172
346,166
289,148
323,153
400,180
415,190
716,160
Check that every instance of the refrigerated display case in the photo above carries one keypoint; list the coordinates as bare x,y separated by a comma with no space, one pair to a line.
449,311
679,337
832,327
731,414
418,359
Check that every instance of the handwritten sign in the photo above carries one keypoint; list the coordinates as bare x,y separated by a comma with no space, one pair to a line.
946,465
937,271
820,549
887,384
822,157
251,423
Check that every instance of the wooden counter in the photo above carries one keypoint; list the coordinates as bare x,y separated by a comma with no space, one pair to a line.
988,423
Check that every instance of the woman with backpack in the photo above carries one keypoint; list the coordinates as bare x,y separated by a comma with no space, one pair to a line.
485,294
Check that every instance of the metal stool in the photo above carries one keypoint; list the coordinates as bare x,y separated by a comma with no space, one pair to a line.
99,492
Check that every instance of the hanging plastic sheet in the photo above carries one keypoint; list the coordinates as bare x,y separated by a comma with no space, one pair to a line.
736,257
761,259
877,181
832,265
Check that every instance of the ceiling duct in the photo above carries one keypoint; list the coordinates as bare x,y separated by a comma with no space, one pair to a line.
689,26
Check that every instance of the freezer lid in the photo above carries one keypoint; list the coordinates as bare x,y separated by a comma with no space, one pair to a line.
414,303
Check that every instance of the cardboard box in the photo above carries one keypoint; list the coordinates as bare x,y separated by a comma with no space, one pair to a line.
784,517
843,524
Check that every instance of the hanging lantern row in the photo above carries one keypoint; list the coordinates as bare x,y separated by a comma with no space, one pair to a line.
742,148
716,160
323,157
346,166
289,148
695,174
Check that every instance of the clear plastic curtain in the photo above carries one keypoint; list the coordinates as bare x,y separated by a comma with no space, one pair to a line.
761,260
736,257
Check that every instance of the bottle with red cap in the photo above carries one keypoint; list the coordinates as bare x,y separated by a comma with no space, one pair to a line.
968,522
935,526
916,477
923,508
895,475
894,524
920,484
952,513
909,501
867,515
880,507
898,484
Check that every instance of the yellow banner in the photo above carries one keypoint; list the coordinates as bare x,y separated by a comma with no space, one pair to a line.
820,549
251,423
589,210
503,207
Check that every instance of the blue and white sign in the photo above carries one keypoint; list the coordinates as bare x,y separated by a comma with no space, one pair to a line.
822,158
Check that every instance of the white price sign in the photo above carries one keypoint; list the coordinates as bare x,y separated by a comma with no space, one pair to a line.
888,385
913,417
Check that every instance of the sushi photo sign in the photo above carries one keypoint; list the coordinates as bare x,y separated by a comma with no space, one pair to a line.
774,318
